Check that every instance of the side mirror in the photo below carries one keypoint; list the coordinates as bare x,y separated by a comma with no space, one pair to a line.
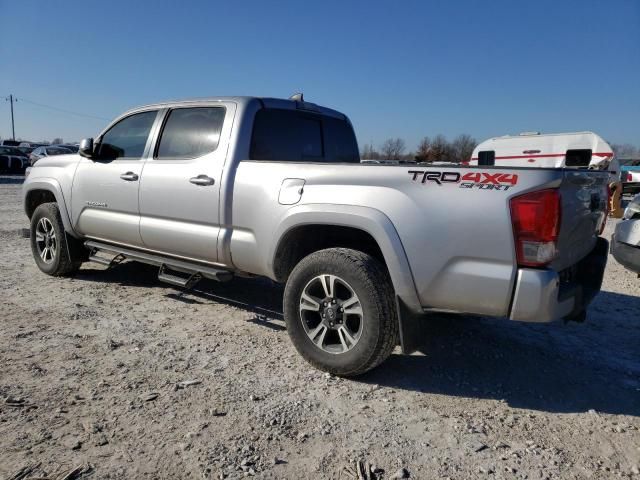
86,148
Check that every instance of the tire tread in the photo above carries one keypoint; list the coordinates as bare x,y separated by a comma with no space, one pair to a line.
68,263
376,279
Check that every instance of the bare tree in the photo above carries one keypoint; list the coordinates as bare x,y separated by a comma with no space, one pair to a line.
393,148
440,149
625,150
462,148
424,150
368,152
57,141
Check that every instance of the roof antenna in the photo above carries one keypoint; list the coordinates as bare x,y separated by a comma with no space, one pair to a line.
297,97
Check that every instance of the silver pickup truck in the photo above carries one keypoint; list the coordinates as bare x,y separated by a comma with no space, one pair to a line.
270,187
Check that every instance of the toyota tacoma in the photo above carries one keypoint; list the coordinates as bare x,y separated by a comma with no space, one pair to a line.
269,187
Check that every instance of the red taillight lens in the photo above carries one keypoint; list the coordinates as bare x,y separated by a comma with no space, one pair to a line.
536,222
629,177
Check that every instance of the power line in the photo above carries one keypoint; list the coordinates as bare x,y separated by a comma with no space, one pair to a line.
22,99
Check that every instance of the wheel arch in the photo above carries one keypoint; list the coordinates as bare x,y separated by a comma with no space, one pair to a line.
309,228
42,191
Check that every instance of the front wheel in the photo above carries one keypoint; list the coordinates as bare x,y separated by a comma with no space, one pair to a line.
52,250
339,311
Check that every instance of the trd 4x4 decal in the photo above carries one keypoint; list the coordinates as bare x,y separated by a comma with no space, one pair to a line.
480,180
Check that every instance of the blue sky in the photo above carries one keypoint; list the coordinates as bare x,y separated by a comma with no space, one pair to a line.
401,68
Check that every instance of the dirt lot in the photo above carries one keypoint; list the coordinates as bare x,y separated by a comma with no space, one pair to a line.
92,370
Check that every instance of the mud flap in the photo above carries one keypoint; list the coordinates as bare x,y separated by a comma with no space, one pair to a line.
411,326
590,273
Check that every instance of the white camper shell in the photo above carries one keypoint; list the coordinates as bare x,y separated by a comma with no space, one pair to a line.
553,150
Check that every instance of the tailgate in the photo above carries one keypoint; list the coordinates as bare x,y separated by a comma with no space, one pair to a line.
584,196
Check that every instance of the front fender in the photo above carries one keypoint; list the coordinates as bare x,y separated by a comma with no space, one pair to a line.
370,220
53,186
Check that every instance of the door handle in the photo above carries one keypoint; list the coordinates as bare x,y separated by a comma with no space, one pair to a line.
202,180
129,177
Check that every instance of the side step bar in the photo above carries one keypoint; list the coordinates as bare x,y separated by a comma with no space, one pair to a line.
194,270
108,262
176,280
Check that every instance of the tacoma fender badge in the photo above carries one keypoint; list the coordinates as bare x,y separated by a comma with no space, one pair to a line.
96,204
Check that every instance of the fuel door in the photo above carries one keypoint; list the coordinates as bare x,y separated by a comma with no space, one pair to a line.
291,191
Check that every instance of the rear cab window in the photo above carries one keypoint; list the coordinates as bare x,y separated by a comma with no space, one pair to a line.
302,136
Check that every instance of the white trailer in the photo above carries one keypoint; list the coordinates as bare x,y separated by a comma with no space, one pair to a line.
552,150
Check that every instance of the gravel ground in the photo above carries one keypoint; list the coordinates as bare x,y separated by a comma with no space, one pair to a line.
121,376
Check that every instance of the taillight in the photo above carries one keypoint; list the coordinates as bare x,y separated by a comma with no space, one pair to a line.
629,177
536,223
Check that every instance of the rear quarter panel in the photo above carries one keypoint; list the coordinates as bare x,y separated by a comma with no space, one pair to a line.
458,240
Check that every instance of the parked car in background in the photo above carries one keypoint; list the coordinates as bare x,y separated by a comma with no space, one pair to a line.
28,147
625,243
630,177
13,160
26,150
9,143
32,144
68,146
47,151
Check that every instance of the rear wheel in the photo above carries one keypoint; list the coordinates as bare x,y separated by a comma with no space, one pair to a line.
339,311
54,252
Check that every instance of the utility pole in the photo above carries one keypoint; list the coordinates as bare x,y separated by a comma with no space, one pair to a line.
13,128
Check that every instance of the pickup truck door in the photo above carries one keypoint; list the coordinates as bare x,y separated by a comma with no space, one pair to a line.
180,187
104,195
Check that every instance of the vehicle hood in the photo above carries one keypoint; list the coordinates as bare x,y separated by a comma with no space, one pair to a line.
57,161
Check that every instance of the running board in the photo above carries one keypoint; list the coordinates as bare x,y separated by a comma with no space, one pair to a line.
177,280
183,266
108,262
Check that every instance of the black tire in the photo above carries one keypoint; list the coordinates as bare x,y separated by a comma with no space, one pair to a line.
67,256
370,281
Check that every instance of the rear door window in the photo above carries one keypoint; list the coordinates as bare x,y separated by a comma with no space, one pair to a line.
190,132
295,136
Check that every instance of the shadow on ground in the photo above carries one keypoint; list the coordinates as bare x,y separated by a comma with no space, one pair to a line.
257,295
553,368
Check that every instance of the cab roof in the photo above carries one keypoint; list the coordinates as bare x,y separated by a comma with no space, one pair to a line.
266,102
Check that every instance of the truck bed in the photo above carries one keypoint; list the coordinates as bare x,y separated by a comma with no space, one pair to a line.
454,222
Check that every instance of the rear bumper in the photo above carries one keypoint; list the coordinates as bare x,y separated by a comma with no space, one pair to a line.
545,295
626,255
